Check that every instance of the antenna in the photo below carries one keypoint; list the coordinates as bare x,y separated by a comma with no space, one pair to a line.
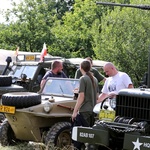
144,7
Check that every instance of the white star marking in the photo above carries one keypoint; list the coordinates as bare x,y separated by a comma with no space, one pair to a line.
137,144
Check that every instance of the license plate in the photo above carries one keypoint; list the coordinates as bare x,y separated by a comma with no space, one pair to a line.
107,115
7,109
30,57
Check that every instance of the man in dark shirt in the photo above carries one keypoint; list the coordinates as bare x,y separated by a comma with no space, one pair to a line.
56,71
95,72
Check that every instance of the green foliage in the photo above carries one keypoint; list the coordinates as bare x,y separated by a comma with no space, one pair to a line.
80,29
31,29
74,34
124,39
63,6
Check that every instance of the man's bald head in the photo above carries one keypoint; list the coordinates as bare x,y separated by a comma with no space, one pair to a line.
110,69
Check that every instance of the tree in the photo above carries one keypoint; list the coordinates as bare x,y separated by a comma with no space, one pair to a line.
63,6
32,26
124,39
82,29
74,34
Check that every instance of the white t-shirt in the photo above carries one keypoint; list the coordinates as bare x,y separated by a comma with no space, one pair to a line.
114,84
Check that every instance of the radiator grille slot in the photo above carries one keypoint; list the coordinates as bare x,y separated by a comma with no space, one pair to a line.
133,107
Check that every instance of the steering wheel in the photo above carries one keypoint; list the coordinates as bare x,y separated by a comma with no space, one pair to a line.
102,103
110,105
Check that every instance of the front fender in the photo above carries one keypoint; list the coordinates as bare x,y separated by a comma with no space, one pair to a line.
91,135
133,141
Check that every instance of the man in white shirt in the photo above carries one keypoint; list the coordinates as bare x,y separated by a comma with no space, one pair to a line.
116,81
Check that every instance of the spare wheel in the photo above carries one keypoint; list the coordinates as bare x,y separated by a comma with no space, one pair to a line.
21,99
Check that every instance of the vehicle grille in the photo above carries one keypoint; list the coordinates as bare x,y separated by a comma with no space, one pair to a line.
137,107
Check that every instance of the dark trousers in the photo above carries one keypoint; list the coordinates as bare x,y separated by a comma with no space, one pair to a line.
86,120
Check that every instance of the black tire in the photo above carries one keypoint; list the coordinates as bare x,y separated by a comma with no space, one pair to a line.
7,136
59,135
21,99
5,80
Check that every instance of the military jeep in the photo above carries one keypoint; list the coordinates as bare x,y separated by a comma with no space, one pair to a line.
129,130
27,71
39,117
6,80
24,74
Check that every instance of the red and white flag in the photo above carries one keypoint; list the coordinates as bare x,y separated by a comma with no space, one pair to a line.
43,52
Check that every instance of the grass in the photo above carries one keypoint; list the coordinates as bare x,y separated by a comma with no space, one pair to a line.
33,146
24,146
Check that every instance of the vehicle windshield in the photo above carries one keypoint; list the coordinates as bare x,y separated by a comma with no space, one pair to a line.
18,70
60,86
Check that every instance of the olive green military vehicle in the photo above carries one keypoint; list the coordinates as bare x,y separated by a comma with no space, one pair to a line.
129,130
6,80
39,117
25,74
124,123
27,71
42,116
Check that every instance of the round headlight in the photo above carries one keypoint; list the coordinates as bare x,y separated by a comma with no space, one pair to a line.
112,103
47,107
